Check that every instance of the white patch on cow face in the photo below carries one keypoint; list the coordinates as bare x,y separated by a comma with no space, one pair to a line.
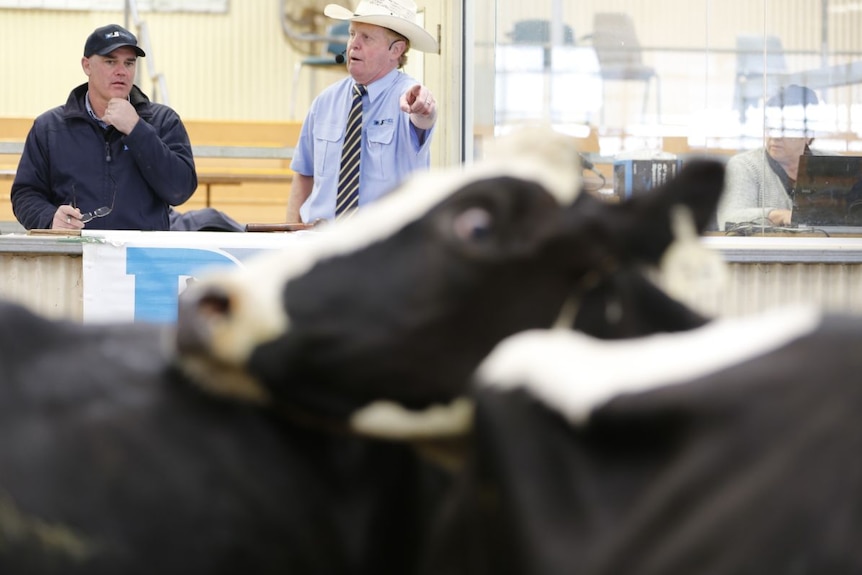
389,420
253,315
258,315
574,374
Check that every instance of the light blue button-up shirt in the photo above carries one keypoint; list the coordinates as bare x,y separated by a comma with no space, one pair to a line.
391,147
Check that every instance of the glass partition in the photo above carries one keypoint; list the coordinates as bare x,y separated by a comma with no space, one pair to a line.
662,81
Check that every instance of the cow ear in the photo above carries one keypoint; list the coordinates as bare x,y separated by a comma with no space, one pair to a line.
647,220
689,269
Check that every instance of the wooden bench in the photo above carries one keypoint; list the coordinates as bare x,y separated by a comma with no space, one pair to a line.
13,132
243,167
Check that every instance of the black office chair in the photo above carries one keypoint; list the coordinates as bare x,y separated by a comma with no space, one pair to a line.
759,66
322,61
619,54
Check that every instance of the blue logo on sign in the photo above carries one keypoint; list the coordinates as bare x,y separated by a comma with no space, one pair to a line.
157,273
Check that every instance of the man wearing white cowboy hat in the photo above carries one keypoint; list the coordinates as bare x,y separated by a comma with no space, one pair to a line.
398,112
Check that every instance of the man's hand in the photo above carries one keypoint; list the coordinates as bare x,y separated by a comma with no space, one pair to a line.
67,218
121,115
419,102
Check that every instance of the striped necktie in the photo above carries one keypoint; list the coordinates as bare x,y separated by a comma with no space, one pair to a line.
348,177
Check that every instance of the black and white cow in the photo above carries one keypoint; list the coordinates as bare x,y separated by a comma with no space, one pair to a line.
404,300
112,461
731,449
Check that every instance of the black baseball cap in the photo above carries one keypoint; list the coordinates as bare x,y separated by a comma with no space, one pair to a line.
108,38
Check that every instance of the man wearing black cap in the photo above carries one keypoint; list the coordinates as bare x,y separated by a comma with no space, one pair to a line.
109,158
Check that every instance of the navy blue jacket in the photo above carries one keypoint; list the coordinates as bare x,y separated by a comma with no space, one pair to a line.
69,159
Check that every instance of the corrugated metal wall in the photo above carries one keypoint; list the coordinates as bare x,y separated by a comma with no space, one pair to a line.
239,66
51,285
233,66
754,287
218,66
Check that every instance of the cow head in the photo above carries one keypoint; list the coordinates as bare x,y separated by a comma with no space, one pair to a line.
404,300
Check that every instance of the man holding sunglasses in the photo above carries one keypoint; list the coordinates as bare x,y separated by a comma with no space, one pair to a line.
109,158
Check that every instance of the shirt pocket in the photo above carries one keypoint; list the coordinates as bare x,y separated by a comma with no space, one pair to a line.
327,148
380,138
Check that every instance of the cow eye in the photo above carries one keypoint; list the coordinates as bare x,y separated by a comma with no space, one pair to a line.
473,224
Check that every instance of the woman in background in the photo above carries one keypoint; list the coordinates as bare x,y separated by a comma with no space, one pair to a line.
760,182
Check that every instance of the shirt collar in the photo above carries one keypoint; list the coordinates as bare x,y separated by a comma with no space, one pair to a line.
91,112
379,86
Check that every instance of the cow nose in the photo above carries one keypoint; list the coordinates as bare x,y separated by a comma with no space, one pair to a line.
197,310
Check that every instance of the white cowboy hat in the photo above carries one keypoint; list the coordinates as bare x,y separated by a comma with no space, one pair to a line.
398,15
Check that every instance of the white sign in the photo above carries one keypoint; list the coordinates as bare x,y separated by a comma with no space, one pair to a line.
138,276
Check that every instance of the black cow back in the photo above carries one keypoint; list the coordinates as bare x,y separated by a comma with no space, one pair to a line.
110,462
752,470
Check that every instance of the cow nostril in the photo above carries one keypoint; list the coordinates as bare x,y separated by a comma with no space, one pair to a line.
214,304
196,312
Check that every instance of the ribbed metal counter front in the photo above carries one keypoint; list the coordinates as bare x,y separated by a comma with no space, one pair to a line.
769,272
45,273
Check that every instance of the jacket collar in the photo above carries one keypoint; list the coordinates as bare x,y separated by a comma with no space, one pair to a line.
76,107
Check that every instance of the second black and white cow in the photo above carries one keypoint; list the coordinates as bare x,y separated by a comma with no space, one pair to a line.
731,449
